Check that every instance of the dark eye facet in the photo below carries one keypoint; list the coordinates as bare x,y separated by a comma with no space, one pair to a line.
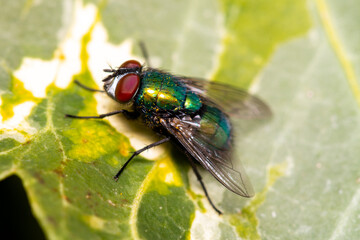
127,87
131,64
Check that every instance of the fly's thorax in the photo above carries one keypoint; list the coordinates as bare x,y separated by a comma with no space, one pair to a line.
161,91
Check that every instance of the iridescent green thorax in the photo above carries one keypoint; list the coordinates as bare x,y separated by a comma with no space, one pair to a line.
163,92
216,127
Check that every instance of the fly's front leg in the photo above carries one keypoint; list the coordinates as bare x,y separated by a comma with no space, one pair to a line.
144,53
129,115
96,117
86,87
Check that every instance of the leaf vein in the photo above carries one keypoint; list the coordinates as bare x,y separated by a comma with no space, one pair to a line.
338,48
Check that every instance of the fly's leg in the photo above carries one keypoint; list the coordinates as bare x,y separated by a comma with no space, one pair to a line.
86,87
96,117
116,177
199,178
129,115
144,53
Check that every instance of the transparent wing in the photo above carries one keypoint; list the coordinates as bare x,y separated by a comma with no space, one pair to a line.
216,161
234,101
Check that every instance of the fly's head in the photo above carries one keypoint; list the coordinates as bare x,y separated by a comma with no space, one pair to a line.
123,83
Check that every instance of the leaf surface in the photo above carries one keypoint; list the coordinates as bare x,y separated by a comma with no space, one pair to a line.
301,57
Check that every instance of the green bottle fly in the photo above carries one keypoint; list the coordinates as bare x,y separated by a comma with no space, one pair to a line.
191,112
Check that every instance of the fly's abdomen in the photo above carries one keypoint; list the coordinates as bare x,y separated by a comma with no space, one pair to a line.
215,128
163,92
192,102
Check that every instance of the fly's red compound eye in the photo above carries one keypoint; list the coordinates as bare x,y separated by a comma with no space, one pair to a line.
127,87
131,64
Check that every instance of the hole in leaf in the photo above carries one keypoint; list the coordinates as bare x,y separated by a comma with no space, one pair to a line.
16,218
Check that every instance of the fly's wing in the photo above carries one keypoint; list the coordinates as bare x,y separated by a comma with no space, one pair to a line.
216,161
234,101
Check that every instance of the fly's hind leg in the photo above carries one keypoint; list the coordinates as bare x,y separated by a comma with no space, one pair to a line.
199,178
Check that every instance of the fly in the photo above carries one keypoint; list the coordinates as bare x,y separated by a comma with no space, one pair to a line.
190,112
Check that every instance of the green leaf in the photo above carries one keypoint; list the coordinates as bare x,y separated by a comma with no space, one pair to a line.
301,57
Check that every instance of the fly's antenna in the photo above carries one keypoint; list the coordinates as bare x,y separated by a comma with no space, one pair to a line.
110,69
144,53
